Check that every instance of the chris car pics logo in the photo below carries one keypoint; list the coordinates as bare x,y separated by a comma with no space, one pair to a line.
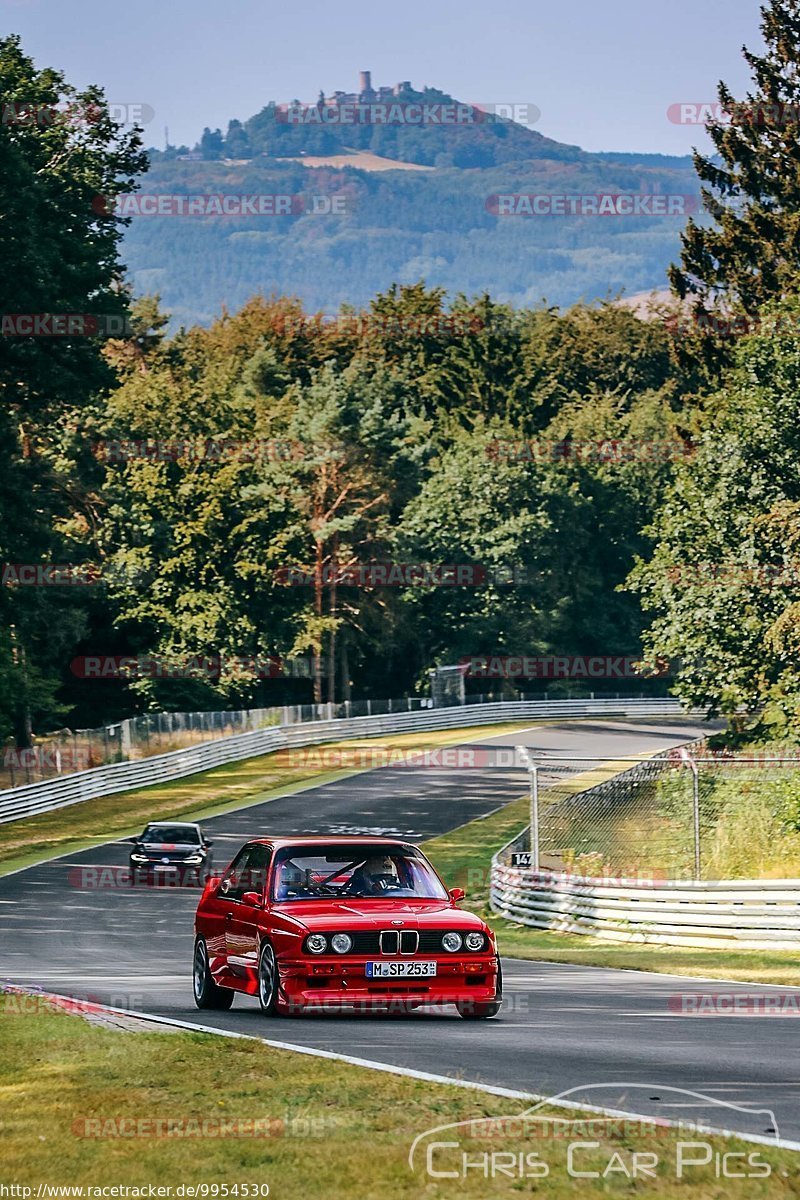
610,1145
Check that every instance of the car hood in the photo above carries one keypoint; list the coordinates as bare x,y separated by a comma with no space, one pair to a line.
170,847
377,914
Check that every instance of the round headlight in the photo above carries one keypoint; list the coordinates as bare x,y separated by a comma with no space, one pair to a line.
341,942
474,941
317,943
452,942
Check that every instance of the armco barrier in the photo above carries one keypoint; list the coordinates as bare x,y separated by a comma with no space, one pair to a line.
742,914
35,798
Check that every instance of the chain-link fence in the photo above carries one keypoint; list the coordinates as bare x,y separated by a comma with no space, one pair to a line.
687,814
68,750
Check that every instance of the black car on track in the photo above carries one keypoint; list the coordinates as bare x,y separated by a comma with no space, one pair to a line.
170,853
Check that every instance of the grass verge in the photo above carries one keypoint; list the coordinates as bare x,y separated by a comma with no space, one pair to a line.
233,786
81,1107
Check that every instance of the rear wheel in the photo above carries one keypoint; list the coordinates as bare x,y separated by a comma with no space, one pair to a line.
268,981
207,994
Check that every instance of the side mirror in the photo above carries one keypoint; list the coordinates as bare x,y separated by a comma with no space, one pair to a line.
456,894
208,843
253,899
134,840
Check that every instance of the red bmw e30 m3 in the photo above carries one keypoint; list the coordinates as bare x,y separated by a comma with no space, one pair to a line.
347,922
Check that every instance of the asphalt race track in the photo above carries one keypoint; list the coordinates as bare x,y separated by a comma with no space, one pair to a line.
608,1037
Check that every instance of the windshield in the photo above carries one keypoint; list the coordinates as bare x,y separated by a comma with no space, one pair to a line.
171,833
365,872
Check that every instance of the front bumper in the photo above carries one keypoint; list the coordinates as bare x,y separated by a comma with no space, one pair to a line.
155,873
341,982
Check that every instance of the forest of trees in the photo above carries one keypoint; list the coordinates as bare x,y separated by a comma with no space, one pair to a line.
400,226
618,486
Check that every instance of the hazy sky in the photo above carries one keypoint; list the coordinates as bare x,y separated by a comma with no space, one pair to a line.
602,74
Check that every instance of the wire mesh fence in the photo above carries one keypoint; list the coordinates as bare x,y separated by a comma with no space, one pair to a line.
68,750
687,814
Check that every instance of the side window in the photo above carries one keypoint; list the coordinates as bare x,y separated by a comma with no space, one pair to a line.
257,870
248,873
234,882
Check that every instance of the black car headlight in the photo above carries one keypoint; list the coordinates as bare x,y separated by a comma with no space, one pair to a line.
452,942
194,858
136,857
316,943
475,941
342,943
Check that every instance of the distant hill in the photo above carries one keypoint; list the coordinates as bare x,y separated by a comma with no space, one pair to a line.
351,230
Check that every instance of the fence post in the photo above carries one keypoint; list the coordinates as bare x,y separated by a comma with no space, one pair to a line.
533,772
692,765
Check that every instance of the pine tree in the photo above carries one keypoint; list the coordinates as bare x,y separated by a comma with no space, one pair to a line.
751,254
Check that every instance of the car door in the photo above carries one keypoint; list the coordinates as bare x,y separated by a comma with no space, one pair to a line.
218,910
243,923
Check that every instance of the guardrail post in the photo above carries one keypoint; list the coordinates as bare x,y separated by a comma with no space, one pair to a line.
533,774
692,765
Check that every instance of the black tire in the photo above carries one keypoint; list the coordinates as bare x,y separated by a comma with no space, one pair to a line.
207,994
268,981
471,1011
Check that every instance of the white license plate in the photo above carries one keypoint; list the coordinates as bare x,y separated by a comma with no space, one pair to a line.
400,970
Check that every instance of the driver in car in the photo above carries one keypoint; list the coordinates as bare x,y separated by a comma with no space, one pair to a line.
375,875
292,882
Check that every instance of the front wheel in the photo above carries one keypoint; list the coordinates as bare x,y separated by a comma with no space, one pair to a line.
207,994
471,1011
268,981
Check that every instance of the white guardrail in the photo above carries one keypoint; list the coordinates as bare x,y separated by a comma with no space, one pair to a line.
33,798
750,914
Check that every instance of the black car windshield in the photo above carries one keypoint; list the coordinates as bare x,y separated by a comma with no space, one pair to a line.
171,833
365,872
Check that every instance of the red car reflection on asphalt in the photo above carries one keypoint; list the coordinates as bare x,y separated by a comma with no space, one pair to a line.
310,923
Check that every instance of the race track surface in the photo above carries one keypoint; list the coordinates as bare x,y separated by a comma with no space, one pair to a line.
611,1038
